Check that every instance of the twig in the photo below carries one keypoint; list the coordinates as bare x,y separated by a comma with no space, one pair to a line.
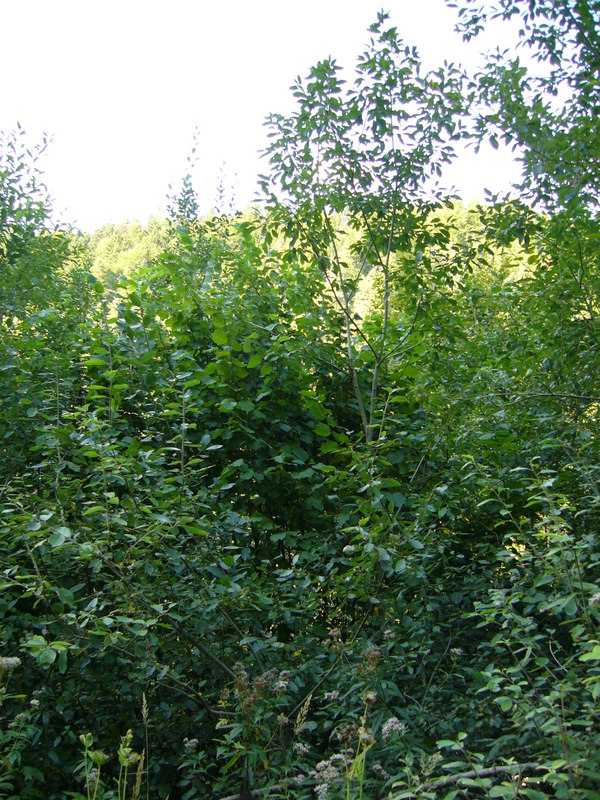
488,772
36,568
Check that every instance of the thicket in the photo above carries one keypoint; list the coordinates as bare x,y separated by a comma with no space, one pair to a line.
309,507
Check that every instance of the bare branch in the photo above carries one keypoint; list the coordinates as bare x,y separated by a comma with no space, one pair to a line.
489,772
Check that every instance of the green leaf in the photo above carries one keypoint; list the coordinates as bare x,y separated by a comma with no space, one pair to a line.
321,429
397,499
220,337
46,657
329,447
505,703
227,405
594,655
502,790
56,539
254,361
93,510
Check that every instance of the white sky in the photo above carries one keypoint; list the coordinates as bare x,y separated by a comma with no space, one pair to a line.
121,86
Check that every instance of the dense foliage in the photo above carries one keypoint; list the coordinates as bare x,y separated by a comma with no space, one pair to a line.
307,504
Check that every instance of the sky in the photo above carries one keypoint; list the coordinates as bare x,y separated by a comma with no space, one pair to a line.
126,88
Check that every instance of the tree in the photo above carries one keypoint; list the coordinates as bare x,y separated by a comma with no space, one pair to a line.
33,254
367,151
118,251
550,115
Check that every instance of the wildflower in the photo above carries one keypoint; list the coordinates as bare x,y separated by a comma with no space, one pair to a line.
34,703
262,682
348,733
322,790
86,739
327,771
127,756
388,634
298,779
282,719
241,679
280,687
380,771
392,726
595,600
8,663
334,642
369,697
429,764
22,717
301,748
337,646
93,776
329,774
456,652
99,757
329,696
224,696
247,703
372,654
190,744
365,735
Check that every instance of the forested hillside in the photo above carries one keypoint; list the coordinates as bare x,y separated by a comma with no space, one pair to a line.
303,502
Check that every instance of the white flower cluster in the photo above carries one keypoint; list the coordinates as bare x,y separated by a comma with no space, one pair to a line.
190,744
326,773
282,682
392,726
8,663
595,600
